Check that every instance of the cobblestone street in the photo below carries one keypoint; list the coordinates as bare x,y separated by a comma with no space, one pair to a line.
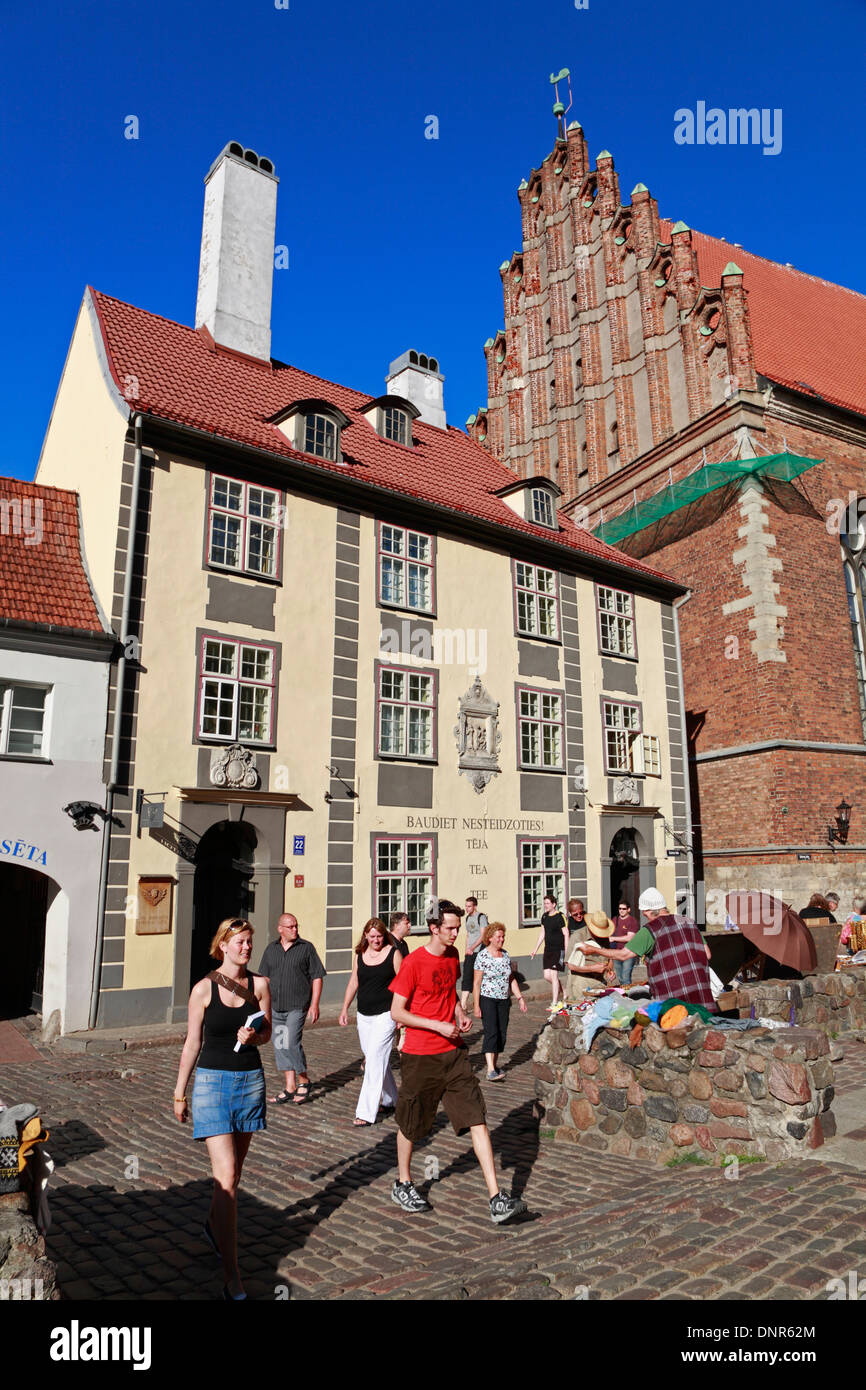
131,1190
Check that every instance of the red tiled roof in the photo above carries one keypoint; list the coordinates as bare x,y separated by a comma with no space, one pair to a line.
42,576
806,332
178,376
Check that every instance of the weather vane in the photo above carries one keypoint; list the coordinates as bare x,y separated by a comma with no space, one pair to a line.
560,111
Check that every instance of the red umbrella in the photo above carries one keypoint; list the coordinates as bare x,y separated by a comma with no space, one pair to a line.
774,928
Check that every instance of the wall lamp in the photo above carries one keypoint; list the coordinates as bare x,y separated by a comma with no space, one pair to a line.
843,819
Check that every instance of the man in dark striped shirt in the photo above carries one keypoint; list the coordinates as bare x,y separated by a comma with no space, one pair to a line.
296,973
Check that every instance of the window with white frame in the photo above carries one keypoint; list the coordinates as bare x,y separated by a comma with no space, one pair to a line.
23,711
626,748
542,507
616,621
540,729
652,759
243,526
395,424
542,873
405,568
403,877
320,437
406,713
536,600
236,691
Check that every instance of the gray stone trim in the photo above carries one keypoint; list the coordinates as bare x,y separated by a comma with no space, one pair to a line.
642,825
676,714
540,793
574,755
618,675
404,784
126,1007
534,660
249,603
343,738
772,745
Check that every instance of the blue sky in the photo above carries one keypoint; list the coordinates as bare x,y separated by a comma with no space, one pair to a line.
394,240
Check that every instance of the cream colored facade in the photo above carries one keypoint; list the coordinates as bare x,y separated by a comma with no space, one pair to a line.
323,607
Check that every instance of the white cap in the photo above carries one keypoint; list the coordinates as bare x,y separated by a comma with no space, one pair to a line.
651,900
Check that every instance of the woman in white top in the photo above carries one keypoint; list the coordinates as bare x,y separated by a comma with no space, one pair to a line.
494,981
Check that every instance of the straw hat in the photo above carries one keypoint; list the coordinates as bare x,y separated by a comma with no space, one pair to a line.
600,924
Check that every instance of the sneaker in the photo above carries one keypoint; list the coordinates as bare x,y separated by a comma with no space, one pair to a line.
406,1196
498,1075
502,1207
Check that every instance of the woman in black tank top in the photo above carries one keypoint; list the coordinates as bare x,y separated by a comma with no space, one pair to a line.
228,1101
376,964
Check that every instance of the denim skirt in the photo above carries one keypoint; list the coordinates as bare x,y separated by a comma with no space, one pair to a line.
227,1102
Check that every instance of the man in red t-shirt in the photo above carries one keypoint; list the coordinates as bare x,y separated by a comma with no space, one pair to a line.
435,1064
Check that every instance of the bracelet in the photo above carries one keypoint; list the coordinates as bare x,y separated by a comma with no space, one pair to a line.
179,1100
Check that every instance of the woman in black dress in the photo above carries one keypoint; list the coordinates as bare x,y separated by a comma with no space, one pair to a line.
376,964
554,934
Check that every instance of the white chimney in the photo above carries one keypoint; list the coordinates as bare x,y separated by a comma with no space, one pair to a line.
417,377
236,269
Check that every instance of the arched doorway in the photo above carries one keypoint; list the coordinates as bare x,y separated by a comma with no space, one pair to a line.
223,872
26,896
624,871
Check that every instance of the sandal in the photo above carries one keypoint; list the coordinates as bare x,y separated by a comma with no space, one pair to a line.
302,1092
357,1121
282,1099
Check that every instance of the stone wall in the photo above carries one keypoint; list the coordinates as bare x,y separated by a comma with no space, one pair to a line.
834,1003
704,1091
25,1271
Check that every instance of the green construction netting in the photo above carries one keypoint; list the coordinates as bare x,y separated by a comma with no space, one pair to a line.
690,490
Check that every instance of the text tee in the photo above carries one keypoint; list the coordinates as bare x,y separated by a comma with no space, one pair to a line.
428,983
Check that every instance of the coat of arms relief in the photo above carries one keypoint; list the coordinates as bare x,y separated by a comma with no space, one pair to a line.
478,736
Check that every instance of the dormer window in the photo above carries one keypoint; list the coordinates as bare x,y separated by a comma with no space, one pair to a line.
395,424
314,427
320,437
542,507
535,499
391,417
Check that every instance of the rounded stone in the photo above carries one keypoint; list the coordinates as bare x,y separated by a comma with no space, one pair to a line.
661,1108
617,1074
588,1064
634,1094
582,1114
591,1091
635,1123
681,1135
611,1123
620,1144
613,1099
728,1081
700,1085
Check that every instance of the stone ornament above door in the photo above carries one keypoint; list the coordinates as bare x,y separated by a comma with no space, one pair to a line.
234,767
478,736
625,792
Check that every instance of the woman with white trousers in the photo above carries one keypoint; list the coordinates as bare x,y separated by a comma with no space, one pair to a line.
376,963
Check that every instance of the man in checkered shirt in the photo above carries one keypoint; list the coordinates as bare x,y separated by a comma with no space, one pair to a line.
676,955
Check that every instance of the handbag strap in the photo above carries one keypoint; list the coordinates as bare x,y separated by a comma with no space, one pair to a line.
233,987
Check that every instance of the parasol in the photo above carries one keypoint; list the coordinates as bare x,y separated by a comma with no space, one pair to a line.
774,929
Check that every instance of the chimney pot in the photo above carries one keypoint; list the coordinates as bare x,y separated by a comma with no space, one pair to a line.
417,377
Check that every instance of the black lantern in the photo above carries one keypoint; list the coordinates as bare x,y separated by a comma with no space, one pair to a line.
843,818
